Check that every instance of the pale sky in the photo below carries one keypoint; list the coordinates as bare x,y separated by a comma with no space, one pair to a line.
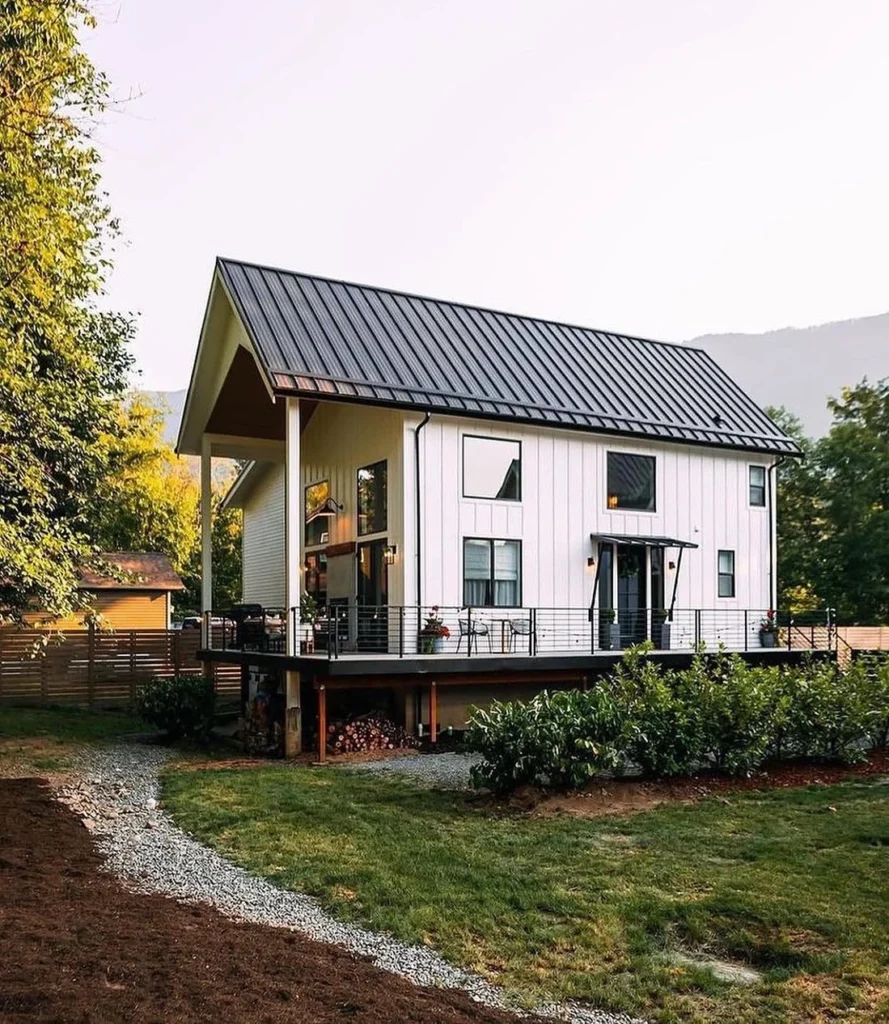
660,167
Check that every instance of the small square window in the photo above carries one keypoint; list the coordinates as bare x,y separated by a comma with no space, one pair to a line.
758,486
631,481
492,468
726,574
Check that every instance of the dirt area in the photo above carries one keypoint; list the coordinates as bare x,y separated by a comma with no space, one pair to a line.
625,796
76,946
26,757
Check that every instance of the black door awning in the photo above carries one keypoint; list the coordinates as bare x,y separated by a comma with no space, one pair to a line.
640,542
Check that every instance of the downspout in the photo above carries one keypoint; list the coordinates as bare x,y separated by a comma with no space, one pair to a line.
773,515
419,520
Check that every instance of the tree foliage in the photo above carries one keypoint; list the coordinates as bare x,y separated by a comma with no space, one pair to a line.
150,501
833,510
63,364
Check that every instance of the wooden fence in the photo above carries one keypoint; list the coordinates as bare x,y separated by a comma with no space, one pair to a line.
89,666
860,638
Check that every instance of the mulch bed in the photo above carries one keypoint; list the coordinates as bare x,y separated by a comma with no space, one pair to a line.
75,946
624,796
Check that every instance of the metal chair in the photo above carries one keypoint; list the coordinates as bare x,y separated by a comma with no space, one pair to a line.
517,627
472,631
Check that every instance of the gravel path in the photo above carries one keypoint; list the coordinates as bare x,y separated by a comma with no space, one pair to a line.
441,771
117,795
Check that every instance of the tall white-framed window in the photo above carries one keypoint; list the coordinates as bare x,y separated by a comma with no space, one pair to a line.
757,486
725,574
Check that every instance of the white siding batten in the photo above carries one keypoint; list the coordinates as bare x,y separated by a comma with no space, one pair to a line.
293,516
206,536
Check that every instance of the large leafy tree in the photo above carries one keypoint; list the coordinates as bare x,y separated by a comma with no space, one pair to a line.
63,364
833,510
150,501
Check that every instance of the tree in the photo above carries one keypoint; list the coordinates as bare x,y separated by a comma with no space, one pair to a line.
854,464
833,510
63,364
150,501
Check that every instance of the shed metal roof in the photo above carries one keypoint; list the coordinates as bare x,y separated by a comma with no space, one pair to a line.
333,339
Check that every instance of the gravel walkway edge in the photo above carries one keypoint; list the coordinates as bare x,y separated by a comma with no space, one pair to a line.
117,794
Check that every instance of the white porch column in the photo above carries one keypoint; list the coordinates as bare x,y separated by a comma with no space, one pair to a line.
206,538
292,523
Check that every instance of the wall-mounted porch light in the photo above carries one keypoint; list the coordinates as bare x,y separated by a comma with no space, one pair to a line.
389,553
325,511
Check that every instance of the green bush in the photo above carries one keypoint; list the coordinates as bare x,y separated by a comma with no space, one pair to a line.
181,707
720,713
560,738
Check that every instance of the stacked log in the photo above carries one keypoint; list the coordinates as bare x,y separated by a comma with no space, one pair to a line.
367,733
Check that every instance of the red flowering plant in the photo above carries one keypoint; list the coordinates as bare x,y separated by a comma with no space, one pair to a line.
433,629
768,623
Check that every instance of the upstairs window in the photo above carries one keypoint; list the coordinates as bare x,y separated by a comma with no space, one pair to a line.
492,468
492,573
758,486
631,482
372,499
316,529
726,574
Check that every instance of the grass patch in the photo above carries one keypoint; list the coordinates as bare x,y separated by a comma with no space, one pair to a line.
791,883
66,725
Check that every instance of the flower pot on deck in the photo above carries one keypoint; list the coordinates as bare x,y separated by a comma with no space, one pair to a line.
767,639
665,637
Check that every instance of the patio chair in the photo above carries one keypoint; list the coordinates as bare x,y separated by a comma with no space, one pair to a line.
517,628
472,631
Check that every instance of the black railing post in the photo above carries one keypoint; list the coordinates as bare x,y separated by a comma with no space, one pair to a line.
746,629
697,628
532,630
469,631
790,633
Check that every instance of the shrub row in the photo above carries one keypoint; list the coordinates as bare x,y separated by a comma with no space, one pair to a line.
720,713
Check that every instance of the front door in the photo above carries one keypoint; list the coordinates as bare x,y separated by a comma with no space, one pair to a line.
372,597
632,594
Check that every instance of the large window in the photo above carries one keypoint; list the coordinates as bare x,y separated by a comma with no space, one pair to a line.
726,574
492,573
316,577
492,468
316,529
758,486
372,499
631,481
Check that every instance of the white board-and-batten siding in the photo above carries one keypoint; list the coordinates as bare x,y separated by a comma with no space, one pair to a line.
702,496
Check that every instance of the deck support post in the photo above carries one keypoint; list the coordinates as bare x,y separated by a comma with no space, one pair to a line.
293,734
433,712
322,723
293,513
206,540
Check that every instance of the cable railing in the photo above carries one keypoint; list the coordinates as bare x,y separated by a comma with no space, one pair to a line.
344,629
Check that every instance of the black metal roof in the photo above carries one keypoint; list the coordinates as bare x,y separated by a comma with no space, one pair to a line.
334,339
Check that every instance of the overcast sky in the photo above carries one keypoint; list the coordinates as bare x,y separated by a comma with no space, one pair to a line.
660,168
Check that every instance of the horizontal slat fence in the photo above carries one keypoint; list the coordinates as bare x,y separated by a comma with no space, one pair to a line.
87,666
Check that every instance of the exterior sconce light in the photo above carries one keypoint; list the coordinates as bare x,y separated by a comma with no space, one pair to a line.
327,510
612,501
591,561
389,553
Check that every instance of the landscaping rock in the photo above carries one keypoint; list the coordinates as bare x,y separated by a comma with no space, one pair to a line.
151,854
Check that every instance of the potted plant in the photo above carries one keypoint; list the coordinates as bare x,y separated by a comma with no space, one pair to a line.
768,630
434,633
609,630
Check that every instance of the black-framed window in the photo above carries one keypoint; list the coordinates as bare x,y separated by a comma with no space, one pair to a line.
725,569
758,486
372,498
316,529
492,573
631,481
315,582
492,468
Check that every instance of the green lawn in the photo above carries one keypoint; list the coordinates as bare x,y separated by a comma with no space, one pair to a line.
66,725
792,883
